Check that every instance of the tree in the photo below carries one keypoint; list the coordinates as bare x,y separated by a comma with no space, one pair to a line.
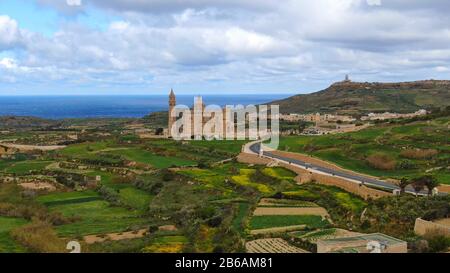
417,185
430,182
404,182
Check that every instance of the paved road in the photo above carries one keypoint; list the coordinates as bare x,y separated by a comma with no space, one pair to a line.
255,148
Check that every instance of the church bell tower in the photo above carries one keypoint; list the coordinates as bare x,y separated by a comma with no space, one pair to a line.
172,104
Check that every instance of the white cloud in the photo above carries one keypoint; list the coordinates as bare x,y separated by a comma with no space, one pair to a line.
248,42
442,69
74,2
374,2
8,63
10,35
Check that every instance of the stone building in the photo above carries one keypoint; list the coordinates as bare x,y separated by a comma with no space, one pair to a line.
198,119
366,243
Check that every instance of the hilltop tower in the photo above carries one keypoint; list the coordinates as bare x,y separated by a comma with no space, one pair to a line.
172,104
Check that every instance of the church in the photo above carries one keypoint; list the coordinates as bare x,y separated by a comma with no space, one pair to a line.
230,122
197,115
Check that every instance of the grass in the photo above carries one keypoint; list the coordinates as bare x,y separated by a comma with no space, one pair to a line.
166,244
24,167
239,219
232,146
349,202
351,150
135,198
157,161
302,194
96,217
7,244
92,215
272,221
85,149
277,203
244,179
279,173
54,199
320,234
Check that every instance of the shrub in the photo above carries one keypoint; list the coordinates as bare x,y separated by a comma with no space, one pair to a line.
406,165
437,242
419,153
39,237
167,175
381,162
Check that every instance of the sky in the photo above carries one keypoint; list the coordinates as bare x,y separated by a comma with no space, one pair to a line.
122,47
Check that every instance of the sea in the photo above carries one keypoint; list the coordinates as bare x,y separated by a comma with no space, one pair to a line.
61,107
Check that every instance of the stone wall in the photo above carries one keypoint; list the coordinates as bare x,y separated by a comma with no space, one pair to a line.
304,176
252,159
422,227
360,190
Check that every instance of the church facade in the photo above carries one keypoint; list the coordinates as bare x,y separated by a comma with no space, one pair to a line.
230,122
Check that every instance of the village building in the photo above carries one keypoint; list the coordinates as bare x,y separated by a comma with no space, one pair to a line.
316,118
388,115
366,243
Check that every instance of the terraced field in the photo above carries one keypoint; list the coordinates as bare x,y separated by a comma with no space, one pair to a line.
355,151
244,179
166,244
7,244
274,221
92,214
156,161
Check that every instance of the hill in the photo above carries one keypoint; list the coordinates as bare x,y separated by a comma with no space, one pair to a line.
18,122
359,98
397,149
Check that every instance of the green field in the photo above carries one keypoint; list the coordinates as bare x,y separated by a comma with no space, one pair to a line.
273,221
92,215
24,167
279,173
239,219
352,150
156,161
234,147
166,244
328,197
244,179
86,149
7,244
135,198
63,198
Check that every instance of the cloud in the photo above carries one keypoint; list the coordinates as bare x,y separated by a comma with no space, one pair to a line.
170,6
8,63
74,2
10,35
244,43
66,7
374,2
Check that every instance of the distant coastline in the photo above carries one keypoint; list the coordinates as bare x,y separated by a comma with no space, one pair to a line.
133,106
